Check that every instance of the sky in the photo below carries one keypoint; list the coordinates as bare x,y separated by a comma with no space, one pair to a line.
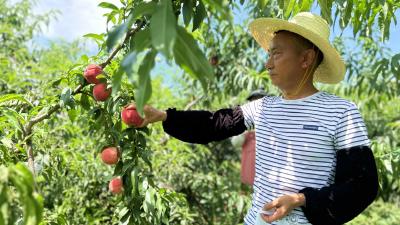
75,18
79,17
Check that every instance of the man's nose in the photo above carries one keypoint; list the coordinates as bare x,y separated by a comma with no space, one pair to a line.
268,64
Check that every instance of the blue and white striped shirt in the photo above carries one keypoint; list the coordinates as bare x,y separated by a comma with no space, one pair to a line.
296,144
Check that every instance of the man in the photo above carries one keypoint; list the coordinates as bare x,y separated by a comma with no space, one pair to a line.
247,142
313,161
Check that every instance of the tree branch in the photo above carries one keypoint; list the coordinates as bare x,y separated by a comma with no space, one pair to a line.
120,46
192,103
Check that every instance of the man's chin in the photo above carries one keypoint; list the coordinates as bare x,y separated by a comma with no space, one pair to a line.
274,81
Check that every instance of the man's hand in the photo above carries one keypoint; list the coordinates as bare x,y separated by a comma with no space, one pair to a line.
152,115
282,206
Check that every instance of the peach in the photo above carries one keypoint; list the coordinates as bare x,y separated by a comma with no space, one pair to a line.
131,117
115,186
110,155
91,72
214,60
100,92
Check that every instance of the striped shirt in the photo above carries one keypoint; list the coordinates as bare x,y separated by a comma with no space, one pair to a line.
296,143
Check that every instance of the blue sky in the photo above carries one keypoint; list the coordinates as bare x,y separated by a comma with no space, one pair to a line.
75,18
79,17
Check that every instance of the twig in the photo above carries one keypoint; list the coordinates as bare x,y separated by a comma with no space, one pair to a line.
39,118
119,47
192,103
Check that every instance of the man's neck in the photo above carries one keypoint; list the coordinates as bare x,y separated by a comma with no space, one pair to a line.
304,92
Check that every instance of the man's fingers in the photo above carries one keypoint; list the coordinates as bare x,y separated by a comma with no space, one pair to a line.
270,205
144,123
149,111
278,214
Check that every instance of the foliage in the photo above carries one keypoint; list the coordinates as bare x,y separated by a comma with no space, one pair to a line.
19,197
48,116
379,213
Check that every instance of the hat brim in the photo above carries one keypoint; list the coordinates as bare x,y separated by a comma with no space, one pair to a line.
332,68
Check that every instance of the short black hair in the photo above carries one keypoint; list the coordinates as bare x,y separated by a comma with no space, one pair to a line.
307,44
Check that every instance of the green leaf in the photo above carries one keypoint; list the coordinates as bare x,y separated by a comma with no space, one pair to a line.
4,201
108,5
395,65
199,15
281,4
148,205
127,64
127,167
58,81
163,28
14,118
144,90
326,10
24,174
65,97
115,35
85,101
98,37
289,8
222,7
347,14
187,11
124,215
11,97
141,40
7,142
72,114
118,168
146,158
38,202
144,8
135,182
112,17
30,212
189,57
261,4
142,140
116,81
306,5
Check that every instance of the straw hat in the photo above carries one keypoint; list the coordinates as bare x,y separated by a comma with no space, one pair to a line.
312,27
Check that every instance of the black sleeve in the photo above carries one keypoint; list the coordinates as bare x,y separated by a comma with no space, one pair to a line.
356,187
203,126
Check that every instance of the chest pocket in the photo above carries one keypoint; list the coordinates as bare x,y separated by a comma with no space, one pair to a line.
301,130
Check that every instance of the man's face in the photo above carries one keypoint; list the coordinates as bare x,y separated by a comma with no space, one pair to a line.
284,61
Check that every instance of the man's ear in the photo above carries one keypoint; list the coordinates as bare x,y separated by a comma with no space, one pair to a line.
308,58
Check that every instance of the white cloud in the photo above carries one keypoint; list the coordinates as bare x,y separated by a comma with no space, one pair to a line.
76,18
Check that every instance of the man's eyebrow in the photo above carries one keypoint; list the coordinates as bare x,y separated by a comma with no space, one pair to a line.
273,48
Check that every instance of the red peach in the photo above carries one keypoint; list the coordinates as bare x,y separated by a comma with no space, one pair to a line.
115,185
131,117
109,155
100,92
91,72
214,60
